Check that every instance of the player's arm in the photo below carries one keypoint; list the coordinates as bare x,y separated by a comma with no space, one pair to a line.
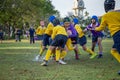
79,30
102,25
54,33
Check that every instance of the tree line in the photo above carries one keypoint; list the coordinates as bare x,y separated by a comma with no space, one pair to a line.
17,13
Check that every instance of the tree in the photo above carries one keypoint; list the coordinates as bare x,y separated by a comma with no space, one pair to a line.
17,12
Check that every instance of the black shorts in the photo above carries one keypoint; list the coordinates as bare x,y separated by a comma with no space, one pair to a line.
1,35
95,38
82,41
116,39
46,39
74,40
40,37
59,41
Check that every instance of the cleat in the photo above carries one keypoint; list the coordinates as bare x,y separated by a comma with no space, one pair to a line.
93,56
44,63
77,56
100,56
37,57
62,62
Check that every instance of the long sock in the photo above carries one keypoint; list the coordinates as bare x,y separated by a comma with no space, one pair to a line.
40,44
57,54
101,53
48,54
63,54
89,51
41,51
76,54
79,51
116,55
69,44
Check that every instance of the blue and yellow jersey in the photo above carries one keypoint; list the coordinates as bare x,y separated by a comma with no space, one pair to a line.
40,30
79,31
110,20
58,30
49,29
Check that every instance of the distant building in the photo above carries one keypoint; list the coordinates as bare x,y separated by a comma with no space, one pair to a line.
78,8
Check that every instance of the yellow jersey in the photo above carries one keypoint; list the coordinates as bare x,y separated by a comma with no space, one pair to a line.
58,30
49,29
79,31
110,20
40,30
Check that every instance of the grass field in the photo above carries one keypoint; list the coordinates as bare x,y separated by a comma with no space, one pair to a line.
16,64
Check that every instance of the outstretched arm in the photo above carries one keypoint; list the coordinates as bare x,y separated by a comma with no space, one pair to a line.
102,25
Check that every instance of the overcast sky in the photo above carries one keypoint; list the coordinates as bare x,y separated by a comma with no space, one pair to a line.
94,7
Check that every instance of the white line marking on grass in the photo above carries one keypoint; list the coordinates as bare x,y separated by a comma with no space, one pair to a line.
19,48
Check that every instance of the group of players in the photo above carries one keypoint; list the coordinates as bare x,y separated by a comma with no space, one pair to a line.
66,36
62,38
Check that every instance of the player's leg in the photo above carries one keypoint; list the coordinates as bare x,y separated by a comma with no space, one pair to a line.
116,54
116,47
48,55
93,54
43,48
94,41
82,42
99,41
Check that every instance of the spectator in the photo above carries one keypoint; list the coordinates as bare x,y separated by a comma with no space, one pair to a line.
31,33
18,33
1,35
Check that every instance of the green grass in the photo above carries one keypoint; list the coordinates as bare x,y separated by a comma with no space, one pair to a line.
16,64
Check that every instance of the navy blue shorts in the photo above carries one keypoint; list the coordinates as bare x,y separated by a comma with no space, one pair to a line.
82,41
59,41
1,35
40,37
116,39
46,39
74,40
50,40
95,38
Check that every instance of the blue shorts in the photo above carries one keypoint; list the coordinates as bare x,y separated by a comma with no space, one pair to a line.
50,40
74,40
116,39
82,41
46,39
40,37
59,41
1,35
95,38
